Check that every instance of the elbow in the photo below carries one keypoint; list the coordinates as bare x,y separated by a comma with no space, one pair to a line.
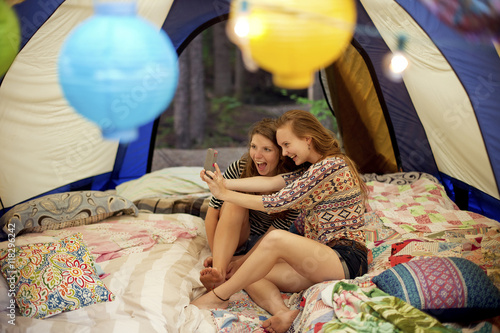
278,183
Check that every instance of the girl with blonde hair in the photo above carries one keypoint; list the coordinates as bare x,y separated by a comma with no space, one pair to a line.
330,196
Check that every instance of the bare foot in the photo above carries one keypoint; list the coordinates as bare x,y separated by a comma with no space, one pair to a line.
211,278
280,322
210,301
208,262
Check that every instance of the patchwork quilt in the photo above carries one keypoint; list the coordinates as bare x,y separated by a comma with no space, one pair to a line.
404,222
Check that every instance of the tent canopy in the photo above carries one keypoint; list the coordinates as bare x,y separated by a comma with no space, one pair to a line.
443,118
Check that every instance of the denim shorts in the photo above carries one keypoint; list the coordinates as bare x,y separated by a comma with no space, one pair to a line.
247,246
353,260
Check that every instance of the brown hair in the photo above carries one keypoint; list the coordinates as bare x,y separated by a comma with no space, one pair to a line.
304,124
267,128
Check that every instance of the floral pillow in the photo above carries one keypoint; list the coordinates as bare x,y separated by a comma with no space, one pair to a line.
51,278
64,210
449,289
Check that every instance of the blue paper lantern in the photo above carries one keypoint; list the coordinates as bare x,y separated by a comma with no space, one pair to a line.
118,70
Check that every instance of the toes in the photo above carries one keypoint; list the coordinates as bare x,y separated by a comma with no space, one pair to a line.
211,277
267,325
208,262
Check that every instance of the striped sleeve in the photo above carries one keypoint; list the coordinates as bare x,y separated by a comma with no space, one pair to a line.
261,221
285,223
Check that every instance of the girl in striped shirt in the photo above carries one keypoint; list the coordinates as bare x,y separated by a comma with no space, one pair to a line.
233,229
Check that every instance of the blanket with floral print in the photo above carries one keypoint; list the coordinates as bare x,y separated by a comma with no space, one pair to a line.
403,222
417,220
119,236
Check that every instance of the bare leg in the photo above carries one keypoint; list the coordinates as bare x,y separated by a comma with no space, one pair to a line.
281,321
232,231
209,260
313,261
268,296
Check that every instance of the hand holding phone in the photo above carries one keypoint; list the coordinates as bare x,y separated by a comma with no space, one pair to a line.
210,160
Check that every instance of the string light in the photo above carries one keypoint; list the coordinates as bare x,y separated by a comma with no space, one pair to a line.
238,31
396,63
241,25
399,63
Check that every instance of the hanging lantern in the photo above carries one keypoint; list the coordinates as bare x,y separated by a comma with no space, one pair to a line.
118,70
10,36
292,39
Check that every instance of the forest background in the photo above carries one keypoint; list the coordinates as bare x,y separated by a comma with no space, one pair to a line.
217,100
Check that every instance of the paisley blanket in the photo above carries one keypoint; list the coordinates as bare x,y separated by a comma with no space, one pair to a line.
405,221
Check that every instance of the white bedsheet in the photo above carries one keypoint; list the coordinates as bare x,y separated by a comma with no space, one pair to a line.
153,290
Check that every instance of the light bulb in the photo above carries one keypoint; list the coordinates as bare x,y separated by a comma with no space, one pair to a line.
242,27
398,63
395,63
241,24
238,31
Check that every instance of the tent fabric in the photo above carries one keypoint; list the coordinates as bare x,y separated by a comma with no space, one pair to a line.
442,119
415,155
187,18
360,118
45,144
454,134
477,67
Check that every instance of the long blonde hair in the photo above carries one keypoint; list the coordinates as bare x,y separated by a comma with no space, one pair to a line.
305,124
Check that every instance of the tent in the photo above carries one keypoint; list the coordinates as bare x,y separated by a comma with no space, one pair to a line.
443,118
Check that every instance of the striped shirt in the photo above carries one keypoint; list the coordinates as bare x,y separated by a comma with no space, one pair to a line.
330,203
259,221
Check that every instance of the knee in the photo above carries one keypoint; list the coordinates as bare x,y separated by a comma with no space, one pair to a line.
234,213
232,208
274,239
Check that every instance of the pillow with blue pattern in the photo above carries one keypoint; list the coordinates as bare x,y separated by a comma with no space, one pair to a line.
65,210
450,289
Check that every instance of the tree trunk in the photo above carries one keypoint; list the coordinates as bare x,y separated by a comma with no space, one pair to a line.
222,61
239,75
198,112
314,92
181,104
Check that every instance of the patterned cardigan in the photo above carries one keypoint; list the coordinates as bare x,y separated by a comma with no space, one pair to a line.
330,201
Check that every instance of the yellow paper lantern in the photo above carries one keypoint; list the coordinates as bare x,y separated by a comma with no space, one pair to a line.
292,39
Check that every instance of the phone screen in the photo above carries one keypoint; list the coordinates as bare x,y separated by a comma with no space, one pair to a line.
210,160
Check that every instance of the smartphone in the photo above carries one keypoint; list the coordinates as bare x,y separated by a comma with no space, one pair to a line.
210,160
